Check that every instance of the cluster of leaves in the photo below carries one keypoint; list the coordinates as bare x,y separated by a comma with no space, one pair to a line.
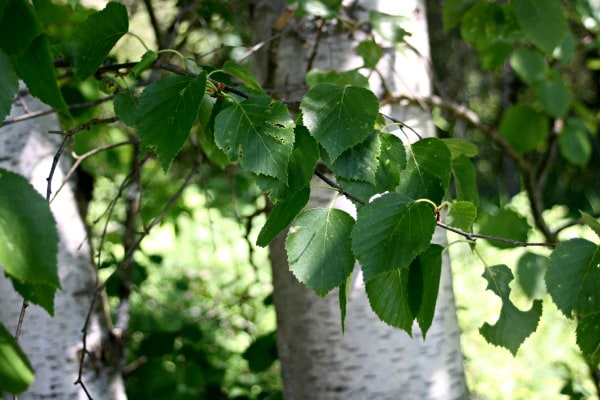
398,188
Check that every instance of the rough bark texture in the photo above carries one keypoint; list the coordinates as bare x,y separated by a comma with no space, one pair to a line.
372,360
53,344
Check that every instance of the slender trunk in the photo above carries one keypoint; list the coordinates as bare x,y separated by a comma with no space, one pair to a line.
371,360
54,344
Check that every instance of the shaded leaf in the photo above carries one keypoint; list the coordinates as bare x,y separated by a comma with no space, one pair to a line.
35,67
513,325
282,214
554,96
453,11
16,373
574,142
388,297
339,117
19,26
358,163
209,109
125,105
390,232
147,59
262,352
536,16
9,82
426,269
524,127
166,112
465,180
588,337
318,247
344,292
260,133
506,224
427,174
462,215
28,236
95,37
370,51
531,270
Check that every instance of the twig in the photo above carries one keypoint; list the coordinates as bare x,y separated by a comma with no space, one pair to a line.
21,319
337,187
154,22
474,236
67,137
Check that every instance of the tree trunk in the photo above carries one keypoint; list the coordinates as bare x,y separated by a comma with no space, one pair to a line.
371,360
54,344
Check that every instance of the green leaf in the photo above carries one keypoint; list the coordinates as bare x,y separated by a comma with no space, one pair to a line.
588,337
344,292
16,373
524,127
424,285
95,37
9,82
554,96
262,352
488,25
36,68
19,26
300,168
388,297
209,109
536,16
259,132
318,247
465,180
244,75
513,325
147,59
392,159
28,236
574,142
370,52
358,163
352,78
565,52
318,8
125,105
462,215
390,232
282,214
460,147
37,293
531,270
529,65
166,112
427,174
389,26
573,278
506,224
494,55
591,222
452,12
339,117
400,296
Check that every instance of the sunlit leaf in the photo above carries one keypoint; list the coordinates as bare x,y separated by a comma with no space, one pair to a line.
9,82
95,37
16,373
318,247
390,232
339,117
427,174
591,222
524,127
370,51
513,325
460,147
529,64
318,8
352,78
389,26
166,112
260,133
282,214
536,16
243,74
28,237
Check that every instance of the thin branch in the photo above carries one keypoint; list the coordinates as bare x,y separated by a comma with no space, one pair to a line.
154,22
67,137
21,319
337,187
474,236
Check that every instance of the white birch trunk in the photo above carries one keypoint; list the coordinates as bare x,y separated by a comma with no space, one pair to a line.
53,345
372,360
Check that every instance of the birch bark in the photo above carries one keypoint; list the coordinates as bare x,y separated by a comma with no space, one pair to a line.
371,360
